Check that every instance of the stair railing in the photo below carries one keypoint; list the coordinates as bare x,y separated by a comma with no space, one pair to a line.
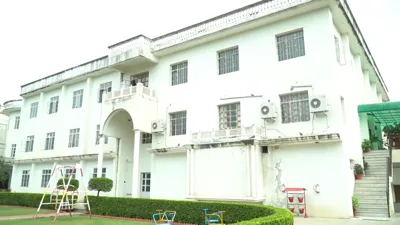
388,168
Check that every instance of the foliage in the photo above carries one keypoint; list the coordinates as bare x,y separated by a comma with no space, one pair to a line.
366,144
355,202
366,165
100,184
24,199
4,176
190,211
358,169
74,184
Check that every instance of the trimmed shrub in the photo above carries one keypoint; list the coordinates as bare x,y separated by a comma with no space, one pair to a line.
100,184
190,211
73,182
27,199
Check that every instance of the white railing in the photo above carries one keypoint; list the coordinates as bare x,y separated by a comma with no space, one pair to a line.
67,74
124,92
250,132
250,13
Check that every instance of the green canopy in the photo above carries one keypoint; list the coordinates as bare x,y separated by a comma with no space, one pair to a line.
384,113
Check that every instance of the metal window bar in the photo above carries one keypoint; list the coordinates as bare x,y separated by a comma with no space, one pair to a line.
178,123
228,61
290,45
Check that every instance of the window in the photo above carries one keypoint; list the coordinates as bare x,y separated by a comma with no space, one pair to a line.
53,107
147,138
228,60
46,174
291,45
34,110
25,178
229,116
140,78
13,150
295,107
16,123
68,173
73,138
178,123
103,172
29,143
146,177
50,138
337,48
104,88
179,73
77,99
97,134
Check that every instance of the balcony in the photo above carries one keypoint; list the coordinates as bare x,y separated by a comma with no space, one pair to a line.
227,135
131,53
138,101
12,106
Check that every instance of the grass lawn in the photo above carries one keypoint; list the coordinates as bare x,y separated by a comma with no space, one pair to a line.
81,220
18,211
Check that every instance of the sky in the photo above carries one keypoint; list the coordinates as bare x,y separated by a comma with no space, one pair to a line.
39,38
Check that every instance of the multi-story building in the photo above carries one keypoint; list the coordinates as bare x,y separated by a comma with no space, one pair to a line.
235,108
5,184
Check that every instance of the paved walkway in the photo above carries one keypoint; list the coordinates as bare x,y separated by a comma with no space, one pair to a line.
321,221
33,216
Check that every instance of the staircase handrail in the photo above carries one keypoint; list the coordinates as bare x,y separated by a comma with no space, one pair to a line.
388,167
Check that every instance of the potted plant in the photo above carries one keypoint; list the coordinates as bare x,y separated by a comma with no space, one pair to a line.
358,171
366,165
355,205
366,145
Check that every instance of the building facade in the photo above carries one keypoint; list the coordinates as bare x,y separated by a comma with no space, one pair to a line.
235,108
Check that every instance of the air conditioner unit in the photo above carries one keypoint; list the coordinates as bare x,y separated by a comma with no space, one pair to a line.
318,104
157,126
268,110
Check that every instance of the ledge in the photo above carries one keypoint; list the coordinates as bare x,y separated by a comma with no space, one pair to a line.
63,158
306,139
226,199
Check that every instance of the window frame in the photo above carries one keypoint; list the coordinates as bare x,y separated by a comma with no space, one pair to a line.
49,141
29,143
174,124
228,122
74,136
53,105
33,113
144,186
26,174
291,112
185,75
226,50
17,121
287,55
77,99
46,175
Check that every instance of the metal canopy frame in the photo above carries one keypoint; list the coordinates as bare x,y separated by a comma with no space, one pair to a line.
387,113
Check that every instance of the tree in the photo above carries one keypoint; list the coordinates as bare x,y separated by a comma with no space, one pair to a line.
100,184
4,176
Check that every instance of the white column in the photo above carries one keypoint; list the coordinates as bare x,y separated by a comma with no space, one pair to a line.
248,161
373,92
100,157
116,165
259,171
32,174
192,172
367,88
188,170
135,169
379,94
42,105
253,172
86,107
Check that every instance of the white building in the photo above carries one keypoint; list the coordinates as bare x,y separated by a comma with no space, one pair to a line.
206,86
3,132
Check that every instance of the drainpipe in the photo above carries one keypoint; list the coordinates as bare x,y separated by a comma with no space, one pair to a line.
116,167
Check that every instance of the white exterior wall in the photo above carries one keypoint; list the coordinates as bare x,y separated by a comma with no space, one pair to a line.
12,136
3,133
220,173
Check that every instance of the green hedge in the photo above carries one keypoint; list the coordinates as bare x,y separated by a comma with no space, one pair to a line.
190,211
25,199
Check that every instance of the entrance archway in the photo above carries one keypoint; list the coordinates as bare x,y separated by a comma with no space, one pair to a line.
118,127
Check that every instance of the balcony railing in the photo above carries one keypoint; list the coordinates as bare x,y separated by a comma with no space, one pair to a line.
129,91
242,133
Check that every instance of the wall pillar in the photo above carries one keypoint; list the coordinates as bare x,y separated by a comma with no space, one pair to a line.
373,92
192,171
32,174
188,170
259,171
135,169
248,165
367,88
253,172
86,107
100,157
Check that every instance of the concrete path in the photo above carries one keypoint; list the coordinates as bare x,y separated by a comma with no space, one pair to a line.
356,221
33,216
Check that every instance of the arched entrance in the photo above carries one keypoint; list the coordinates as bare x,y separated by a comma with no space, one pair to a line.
119,130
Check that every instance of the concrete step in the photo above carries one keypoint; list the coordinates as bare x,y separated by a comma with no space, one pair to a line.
366,180
369,214
359,189
365,184
370,197
361,193
372,212
366,201
397,207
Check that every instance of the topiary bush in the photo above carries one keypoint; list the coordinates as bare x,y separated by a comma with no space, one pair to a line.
190,212
74,183
100,184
